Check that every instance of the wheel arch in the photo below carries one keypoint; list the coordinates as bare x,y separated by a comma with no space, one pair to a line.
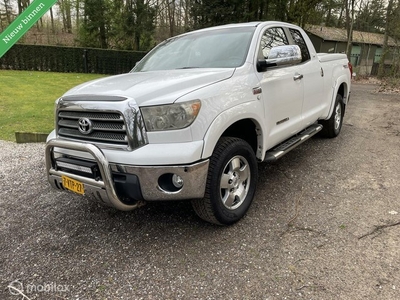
247,128
341,89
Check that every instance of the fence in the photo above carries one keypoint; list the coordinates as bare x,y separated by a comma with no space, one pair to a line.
69,59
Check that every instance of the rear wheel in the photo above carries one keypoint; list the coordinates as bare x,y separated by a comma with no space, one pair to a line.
231,183
333,125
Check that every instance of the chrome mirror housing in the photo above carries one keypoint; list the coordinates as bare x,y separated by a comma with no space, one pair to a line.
284,55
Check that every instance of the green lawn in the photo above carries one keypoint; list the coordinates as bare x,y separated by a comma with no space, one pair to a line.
27,99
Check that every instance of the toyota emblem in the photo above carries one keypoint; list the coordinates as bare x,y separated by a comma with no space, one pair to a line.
85,126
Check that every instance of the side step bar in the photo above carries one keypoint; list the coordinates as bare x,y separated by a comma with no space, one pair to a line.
284,147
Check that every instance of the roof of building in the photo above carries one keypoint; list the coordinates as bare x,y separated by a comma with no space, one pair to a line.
340,35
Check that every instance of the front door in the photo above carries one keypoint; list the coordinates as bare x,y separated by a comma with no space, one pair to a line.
282,92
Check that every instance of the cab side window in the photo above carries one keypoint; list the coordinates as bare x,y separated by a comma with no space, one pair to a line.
272,37
299,41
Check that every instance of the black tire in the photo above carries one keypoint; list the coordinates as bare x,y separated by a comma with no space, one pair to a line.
231,183
333,125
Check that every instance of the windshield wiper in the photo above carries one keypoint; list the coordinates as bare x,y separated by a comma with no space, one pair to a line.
187,68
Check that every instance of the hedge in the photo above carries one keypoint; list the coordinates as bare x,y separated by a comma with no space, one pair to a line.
69,59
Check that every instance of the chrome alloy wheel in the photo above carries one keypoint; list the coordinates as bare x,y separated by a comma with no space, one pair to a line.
235,182
338,115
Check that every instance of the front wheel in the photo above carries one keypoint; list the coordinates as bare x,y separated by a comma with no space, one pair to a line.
332,126
231,183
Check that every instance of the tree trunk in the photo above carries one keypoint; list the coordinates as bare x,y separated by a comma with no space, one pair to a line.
342,9
187,15
68,15
8,10
64,21
53,29
77,14
65,8
349,26
329,14
171,18
19,6
381,69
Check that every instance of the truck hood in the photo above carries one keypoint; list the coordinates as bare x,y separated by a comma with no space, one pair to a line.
151,88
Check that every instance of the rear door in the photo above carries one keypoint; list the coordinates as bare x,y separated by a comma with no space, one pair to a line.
312,77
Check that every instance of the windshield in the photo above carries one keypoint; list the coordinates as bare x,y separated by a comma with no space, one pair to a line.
220,48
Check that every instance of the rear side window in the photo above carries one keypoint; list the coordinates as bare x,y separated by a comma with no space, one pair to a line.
272,37
299,40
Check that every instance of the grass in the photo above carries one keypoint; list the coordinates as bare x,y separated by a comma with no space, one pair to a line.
27,99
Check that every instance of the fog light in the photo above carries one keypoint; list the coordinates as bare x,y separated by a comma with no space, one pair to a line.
65,165
177,181
170,183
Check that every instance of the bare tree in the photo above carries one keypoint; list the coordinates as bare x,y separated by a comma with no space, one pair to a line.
381,69
65,10
171,17
77,13
53,29
349,25
22,5
8,10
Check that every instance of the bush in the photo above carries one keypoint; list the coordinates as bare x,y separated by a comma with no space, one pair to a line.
69,59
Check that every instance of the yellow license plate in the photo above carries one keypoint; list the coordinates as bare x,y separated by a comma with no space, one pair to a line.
73,185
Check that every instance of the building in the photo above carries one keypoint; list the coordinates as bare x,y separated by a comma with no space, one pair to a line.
366,50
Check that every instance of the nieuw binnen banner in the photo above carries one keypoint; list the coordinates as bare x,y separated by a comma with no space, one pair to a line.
23,23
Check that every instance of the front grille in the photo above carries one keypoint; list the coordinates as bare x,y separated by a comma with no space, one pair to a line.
104,127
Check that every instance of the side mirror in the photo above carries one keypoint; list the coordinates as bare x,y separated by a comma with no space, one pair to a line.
281,56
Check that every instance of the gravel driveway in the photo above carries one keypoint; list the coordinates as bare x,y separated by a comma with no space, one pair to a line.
325,224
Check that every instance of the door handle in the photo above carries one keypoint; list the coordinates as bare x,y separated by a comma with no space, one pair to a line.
297,77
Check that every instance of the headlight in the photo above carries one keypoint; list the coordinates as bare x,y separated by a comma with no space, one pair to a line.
169,117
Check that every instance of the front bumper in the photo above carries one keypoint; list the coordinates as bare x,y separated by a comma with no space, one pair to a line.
104,188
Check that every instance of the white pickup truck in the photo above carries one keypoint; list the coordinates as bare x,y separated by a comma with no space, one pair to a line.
194,116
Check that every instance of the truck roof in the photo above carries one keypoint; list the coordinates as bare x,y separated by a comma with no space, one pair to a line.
236,25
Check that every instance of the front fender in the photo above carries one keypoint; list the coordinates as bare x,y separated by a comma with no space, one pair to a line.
253,110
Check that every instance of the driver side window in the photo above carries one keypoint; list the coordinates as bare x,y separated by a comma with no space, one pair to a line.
272,37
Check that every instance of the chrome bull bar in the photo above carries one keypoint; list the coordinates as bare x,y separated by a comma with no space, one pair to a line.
105,187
